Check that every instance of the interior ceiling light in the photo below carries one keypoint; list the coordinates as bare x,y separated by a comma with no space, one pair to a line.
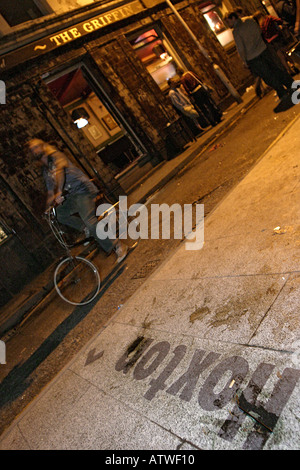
80,117
160,51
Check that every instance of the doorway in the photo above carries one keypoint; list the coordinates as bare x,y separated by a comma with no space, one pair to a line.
157,54
95,120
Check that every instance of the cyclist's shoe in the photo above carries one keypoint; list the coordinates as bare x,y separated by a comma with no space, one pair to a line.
121,251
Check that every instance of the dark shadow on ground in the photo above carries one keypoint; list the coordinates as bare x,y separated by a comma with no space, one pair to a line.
18,380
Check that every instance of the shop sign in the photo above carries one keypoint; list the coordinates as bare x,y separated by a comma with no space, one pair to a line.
68,35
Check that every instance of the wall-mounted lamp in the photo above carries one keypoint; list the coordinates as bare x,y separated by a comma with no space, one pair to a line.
80,117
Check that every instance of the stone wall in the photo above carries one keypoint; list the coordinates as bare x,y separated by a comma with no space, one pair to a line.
248,7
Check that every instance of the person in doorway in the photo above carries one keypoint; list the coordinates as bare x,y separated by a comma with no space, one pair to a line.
182,103
201,96
257,57
73,193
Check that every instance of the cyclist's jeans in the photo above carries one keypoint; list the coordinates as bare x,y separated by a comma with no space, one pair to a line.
84,205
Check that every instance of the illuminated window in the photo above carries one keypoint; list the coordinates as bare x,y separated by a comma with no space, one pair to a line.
151,50
214,21
3,234
213,17
269,7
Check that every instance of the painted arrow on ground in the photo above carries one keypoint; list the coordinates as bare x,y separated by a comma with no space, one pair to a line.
92,357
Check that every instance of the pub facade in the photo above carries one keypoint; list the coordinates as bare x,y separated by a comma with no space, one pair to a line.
104,64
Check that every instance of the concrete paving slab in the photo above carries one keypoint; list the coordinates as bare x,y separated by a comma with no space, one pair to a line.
92,420
14,440
281,326
258,252
226,309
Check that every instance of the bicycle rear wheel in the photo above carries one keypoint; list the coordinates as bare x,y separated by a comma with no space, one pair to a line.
77,280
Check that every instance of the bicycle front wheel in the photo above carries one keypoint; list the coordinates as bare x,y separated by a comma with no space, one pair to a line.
77,280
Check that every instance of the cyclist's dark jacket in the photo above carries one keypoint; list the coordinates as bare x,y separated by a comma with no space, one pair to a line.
75,180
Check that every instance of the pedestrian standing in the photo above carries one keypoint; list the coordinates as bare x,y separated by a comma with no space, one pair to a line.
182,103
257,57
201,96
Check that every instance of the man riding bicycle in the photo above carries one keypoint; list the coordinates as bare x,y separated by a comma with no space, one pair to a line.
73,192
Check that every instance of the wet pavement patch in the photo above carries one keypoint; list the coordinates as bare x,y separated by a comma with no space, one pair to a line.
146,269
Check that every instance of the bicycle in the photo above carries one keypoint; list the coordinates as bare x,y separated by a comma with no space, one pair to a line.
76,279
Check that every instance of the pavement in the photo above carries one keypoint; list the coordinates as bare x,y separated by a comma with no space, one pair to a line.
42,287
206,353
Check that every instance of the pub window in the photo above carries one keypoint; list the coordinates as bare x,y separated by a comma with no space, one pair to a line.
3,234
213,15
157,56
16,12
94,120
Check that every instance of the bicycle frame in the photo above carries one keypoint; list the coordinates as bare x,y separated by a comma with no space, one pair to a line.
57,231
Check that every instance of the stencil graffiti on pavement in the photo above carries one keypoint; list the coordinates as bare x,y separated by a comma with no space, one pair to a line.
143,362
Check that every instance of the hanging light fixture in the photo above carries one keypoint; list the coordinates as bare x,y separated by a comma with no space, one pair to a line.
80,117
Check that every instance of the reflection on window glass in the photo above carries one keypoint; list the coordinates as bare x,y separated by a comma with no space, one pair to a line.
215,22
217,26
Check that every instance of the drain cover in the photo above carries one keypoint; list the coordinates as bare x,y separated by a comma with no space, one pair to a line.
146,269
